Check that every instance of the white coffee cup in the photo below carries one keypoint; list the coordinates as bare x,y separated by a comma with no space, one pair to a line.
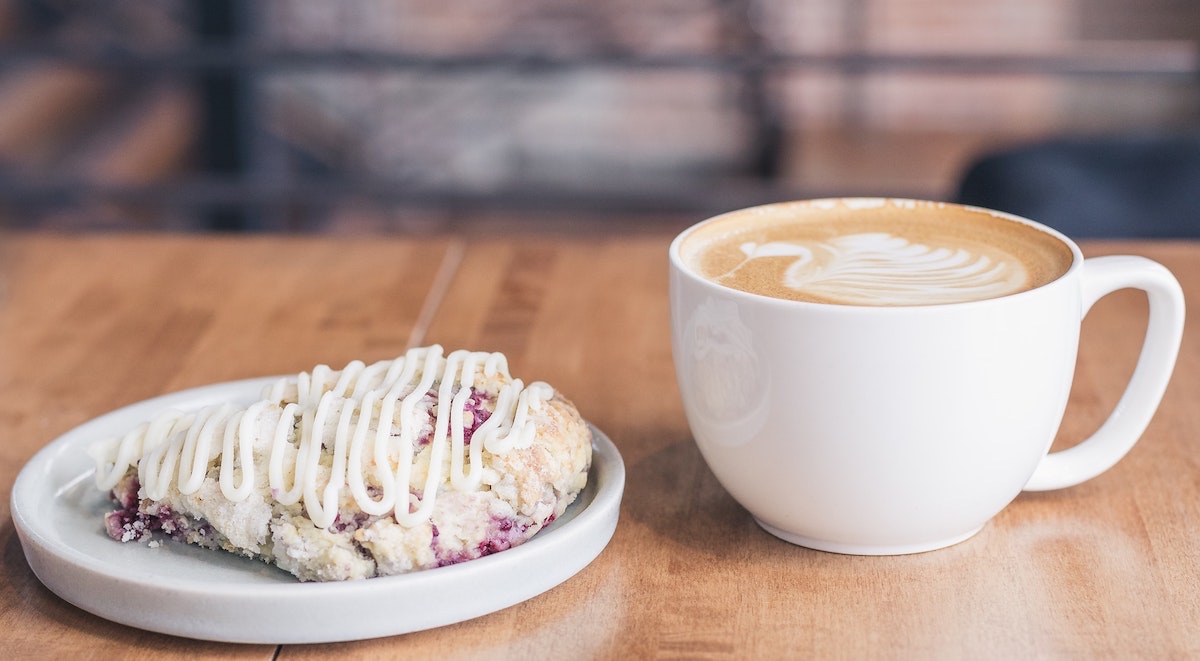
889,429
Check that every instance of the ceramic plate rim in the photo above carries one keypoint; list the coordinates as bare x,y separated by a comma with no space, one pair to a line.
282,611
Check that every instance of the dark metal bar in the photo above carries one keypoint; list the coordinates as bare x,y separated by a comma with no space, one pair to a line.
757,94
208,57
321,193
222,134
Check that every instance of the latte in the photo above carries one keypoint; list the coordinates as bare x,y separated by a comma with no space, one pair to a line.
874,252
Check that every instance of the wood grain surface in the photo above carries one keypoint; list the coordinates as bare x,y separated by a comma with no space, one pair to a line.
1108,569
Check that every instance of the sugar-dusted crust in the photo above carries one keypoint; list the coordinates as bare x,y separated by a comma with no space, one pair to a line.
520,490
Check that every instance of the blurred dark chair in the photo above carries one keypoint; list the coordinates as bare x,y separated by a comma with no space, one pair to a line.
1145,186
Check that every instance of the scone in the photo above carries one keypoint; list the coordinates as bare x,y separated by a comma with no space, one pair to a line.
423,461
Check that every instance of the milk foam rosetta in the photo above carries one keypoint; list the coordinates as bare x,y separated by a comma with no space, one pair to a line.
888,252
327,434
881,269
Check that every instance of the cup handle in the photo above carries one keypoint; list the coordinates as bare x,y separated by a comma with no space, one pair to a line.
1164,331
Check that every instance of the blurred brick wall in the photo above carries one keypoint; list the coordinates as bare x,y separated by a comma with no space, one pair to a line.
584,101
888,129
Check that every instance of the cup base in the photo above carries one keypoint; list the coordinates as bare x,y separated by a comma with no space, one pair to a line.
861,549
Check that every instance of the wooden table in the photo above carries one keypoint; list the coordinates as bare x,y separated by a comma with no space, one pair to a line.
1108,569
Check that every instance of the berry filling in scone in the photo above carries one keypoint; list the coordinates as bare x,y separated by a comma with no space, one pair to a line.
419,462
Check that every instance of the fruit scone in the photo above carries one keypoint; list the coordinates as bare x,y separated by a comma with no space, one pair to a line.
418,462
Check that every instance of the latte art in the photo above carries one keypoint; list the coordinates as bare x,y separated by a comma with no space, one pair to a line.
874,252
878,268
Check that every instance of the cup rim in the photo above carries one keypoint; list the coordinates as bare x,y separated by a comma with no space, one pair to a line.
676,261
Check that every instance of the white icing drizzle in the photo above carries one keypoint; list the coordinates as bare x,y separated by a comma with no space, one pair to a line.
368,414
879,268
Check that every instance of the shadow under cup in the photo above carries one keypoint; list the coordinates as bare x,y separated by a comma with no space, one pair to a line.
875,428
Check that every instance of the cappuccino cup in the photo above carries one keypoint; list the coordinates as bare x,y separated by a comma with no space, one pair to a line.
883,376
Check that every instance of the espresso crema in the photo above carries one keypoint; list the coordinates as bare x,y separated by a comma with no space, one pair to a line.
874,252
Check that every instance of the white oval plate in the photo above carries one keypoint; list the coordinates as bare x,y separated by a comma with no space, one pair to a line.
189,591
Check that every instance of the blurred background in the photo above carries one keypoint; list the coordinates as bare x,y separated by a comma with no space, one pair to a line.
423,116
